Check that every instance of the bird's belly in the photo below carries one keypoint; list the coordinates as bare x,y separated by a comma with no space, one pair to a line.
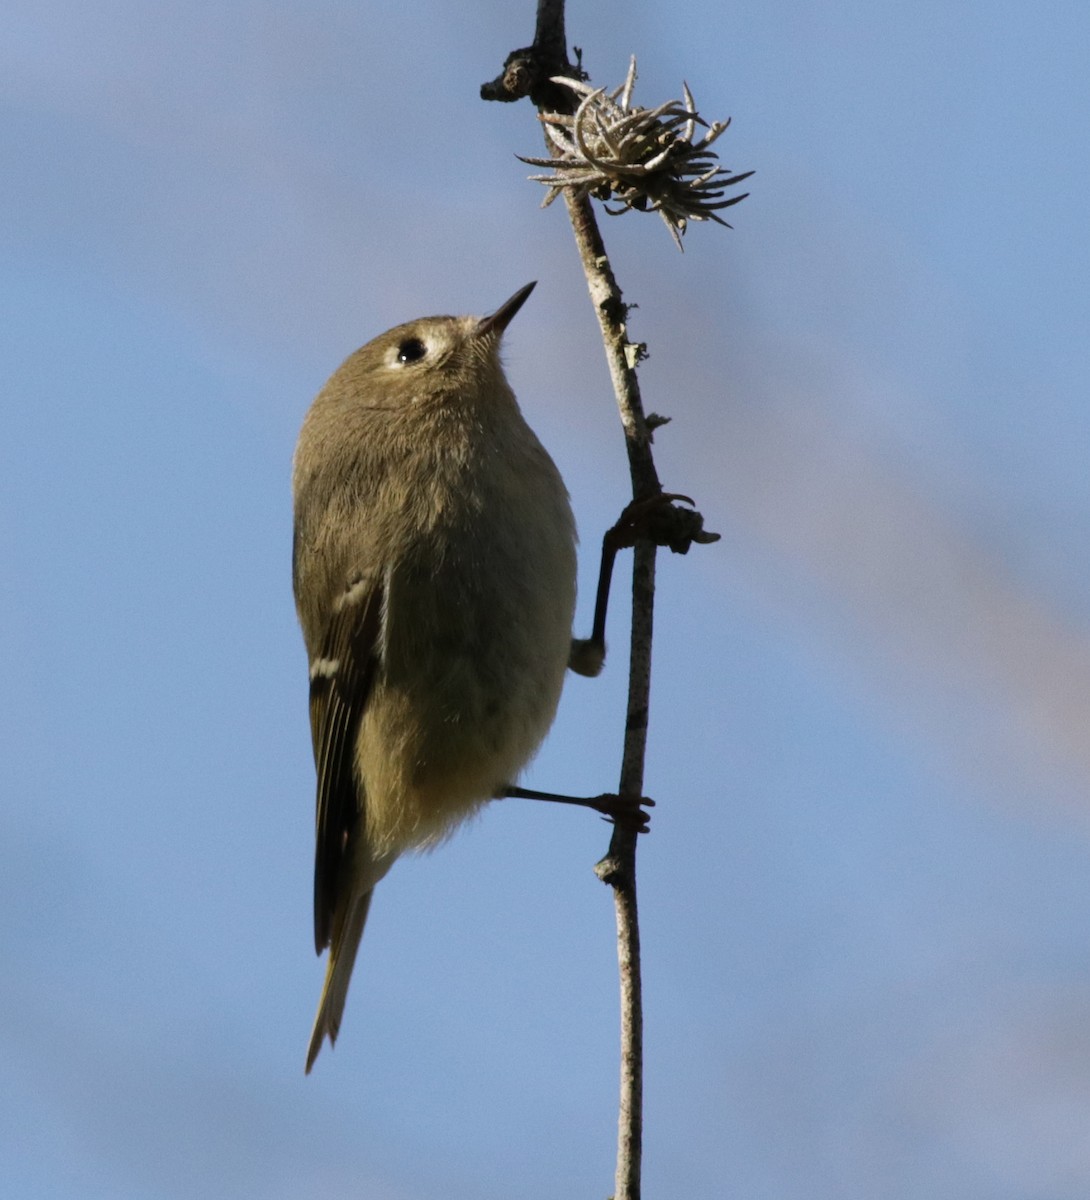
463,704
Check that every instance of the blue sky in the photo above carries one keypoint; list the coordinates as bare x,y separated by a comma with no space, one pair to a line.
865,900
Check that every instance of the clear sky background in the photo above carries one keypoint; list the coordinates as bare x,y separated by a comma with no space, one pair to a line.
866,896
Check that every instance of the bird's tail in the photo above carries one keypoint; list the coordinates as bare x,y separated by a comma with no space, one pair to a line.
342,958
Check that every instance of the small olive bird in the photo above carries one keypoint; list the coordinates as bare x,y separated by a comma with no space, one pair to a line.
434,574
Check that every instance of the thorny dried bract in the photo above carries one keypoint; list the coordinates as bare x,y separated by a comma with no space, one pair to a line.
643,158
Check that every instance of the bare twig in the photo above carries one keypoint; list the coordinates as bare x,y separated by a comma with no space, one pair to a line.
530,72
618,867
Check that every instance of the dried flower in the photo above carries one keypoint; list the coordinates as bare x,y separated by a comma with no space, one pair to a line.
642,158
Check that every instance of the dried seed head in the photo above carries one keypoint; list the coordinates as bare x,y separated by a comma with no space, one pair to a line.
643,158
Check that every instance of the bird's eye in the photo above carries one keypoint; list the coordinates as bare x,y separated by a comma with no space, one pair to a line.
411,350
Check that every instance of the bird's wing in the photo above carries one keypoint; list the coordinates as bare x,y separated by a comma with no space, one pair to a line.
341,678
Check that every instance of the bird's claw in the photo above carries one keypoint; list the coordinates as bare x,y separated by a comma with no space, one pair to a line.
625,811
658,519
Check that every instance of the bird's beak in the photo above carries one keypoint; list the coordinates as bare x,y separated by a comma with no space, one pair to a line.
498,321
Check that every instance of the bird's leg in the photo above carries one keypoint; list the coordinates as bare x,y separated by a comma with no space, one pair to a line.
620,810
658,519
654,517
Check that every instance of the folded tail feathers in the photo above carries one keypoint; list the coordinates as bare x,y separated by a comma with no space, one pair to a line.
342,958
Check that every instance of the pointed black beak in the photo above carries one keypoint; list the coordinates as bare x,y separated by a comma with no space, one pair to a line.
501,318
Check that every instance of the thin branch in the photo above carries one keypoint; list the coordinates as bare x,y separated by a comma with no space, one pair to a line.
618,867
529,72
611,311
549,34
524,73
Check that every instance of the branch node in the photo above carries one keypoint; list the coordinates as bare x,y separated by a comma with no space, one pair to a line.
635,353
610,870
529,71
613,308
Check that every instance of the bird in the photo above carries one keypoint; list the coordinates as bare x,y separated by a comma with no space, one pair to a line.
434,566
